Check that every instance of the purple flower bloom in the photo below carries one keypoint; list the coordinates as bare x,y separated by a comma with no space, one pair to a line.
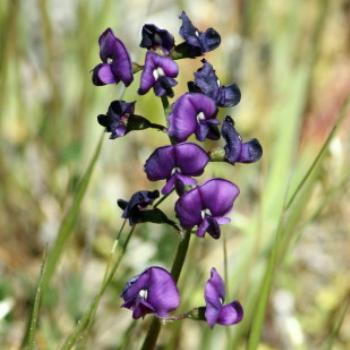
236,150
116,119
176,164
154,38
153,291
116,64
197,43
159,72
206,206
207,82
137,204
216,312
193,113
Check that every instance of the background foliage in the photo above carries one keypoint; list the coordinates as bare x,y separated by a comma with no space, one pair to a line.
287,246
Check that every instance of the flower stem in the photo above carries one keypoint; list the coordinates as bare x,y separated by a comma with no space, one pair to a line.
154,330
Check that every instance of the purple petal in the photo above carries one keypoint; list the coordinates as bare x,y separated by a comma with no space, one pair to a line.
155,67
231,314
251,152
160,163
163,293
213,228
218,196
191,159
187,112
102,75
202,228
188,209
154,37
142,309
228,96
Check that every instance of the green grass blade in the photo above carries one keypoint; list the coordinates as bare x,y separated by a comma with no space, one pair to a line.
29,339
68,222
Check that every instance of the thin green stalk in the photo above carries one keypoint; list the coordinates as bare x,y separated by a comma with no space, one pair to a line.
29,339
85,322
154,330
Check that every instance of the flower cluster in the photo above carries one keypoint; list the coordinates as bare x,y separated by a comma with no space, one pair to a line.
200,208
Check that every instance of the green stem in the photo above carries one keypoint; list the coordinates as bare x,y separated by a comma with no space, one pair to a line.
154,330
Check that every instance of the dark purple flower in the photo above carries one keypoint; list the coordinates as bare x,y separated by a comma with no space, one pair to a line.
216,312
207,82
193,113
206,206
159,72
197,43
153,291
136,205
116,119
236,150
116,64
176,164
155,38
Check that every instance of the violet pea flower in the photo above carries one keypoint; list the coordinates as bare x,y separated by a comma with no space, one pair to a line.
235,149
116,119
193,113
137,203
153,291
176,164
158,72
197,43
207,82
116,64
206,206
216,312
155,38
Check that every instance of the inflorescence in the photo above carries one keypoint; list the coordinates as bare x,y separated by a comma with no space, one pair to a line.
202,208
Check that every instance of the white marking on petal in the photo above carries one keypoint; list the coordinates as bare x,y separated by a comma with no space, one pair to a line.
200,116
143,293
158,72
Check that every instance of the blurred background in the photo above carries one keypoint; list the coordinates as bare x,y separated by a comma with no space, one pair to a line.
291,60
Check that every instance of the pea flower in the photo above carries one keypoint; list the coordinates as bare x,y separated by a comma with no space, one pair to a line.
153,291
155,38
236,150
208,83
133,208
158,72
116,119
116,63
197,43
216,312
193,113
206,206
176,164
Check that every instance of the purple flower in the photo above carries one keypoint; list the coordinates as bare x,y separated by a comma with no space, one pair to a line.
216,312
176,164
193,113
153,291
236,150
116,64
155,38
206,206
159,72
207,82
136,205
197,43
116,119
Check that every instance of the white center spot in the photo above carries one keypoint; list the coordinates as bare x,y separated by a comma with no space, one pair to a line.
158,72
143,293
109,60
218,82
200,116
196,33
175,170
205,212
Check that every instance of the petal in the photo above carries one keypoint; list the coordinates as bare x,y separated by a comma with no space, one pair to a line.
190,158
154,37
188,31
132,288
206,79
169,185
233,140
210,40
160,163
142,308
102,75
231,314
188,209
228,96
251,151
218,196
202,228
215,289
202,131
212,314
163,86
163,294
213,228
